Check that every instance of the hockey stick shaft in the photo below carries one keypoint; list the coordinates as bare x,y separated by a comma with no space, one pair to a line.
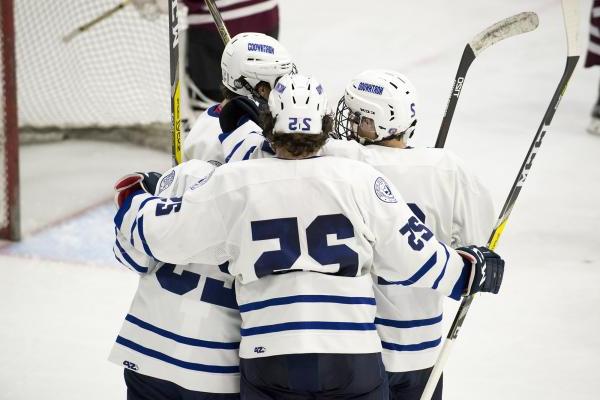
214,11
570,12
175,87
511,26
67,38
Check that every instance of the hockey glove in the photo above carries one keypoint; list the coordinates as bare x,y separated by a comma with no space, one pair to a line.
236,112
486,271
128,184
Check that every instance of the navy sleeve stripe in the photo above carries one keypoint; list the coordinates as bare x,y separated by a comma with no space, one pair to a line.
182,339
133,226
266,147
307,298
461,284
418,275
237,146
140,228
130,260
408,323
249,153
124,208
411,347
223,136
439,278
234,369
308,325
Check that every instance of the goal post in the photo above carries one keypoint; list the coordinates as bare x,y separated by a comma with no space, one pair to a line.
9,140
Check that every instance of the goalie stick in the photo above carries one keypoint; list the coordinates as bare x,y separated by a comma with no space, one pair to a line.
511,26
571,20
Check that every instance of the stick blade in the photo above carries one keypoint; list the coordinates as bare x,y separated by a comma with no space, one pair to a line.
517,24
571,17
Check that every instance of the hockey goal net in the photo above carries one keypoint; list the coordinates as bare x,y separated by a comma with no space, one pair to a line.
109,81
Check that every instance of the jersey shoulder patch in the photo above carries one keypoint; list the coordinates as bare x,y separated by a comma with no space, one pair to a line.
383,191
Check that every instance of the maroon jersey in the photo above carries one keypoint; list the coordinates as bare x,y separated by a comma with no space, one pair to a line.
239,15
593,54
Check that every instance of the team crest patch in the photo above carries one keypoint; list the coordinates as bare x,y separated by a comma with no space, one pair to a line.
383,191
166,182
202,181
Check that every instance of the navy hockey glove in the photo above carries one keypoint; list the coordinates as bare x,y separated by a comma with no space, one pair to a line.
128,184
486,271
237,111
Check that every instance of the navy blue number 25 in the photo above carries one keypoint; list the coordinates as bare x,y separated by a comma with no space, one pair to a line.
286,230
414,226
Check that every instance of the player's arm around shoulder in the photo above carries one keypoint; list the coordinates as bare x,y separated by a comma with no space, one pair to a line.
407,253
180,226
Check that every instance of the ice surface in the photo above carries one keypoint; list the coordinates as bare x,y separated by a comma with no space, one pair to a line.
62,297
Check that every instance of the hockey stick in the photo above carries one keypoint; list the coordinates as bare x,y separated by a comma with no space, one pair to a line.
214,11
511,26
571,19
67,38
175,90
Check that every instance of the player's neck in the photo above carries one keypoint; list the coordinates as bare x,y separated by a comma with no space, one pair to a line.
283,153
396,143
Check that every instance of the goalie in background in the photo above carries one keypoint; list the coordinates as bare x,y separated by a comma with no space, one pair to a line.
204,45
593,59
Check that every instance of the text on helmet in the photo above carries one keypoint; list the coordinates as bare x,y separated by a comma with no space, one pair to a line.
263,48
367,87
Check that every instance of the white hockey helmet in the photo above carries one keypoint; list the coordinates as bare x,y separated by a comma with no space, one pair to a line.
298,104
385,96
250,58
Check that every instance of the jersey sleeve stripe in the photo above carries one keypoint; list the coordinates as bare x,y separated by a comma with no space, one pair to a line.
174,361
182,339
308,298
124,208
416,276
249,152
439,278
130,260
461,283
140,228
237,146
411,347
409,323
309,325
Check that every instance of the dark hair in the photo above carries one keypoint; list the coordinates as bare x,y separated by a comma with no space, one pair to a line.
297,144
227,93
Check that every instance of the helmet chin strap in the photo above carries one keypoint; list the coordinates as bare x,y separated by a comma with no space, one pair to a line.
253,92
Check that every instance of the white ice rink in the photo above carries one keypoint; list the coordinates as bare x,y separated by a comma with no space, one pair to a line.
62,298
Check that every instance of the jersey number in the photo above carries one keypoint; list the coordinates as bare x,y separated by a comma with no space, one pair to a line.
213,292
294,124
415,229
286,231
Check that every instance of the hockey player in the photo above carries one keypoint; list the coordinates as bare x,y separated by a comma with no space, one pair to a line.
379,110
302,235
180,338
251,63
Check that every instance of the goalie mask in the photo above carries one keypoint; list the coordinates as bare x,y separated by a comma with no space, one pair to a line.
386,97
250,58
298,104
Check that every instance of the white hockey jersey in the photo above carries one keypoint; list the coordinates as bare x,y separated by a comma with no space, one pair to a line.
184,324
459,210
302,238
443,194
202,142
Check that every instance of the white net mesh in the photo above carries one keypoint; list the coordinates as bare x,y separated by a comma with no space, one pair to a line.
114,74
